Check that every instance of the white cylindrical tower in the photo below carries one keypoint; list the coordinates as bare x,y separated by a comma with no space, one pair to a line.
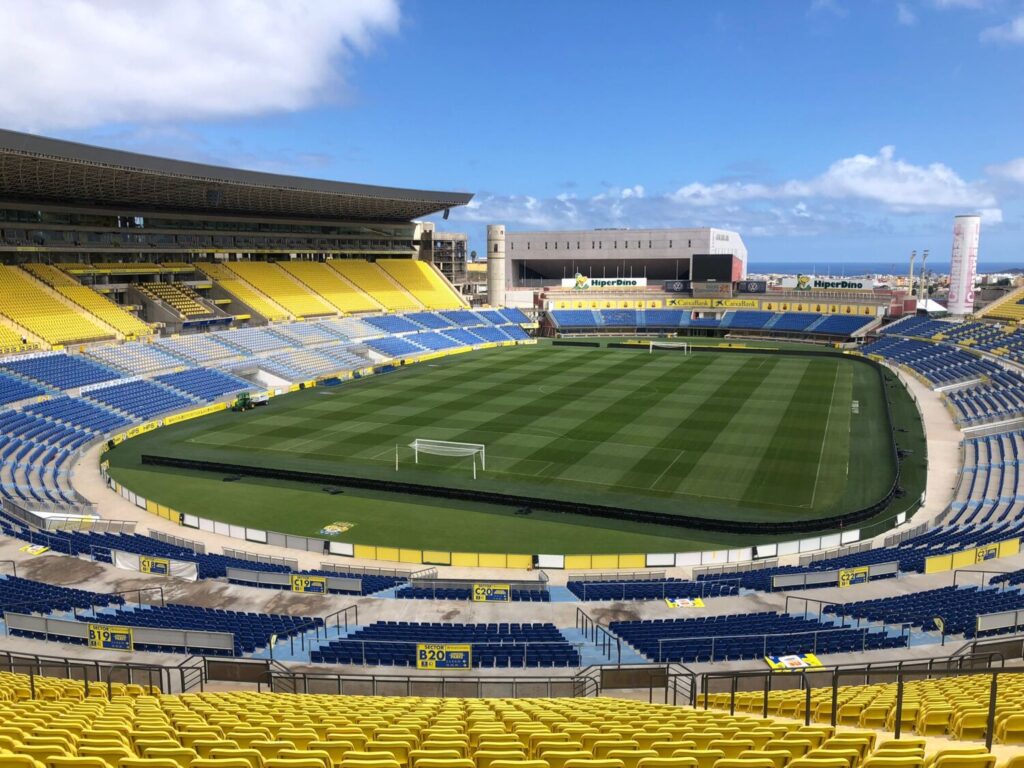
963,264
496,264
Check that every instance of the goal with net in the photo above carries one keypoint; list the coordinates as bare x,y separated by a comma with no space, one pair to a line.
681,346
447,448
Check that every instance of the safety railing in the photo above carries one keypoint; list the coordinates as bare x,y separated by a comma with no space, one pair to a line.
258,557
616,576
607,642
668,589
520,649
830,680
341,620
791,640
366,570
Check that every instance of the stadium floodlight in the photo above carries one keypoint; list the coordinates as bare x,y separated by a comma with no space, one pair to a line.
448,448
680,345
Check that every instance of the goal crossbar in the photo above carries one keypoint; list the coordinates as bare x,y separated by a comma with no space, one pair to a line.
449,448
683,345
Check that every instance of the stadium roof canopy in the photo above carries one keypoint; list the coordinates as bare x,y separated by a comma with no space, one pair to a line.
42,170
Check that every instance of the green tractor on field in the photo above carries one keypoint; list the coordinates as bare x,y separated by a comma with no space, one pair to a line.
243,403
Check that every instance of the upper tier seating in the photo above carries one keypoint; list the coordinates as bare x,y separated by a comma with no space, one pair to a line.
423,282
284,289
373,280
60,370
124,322
462,318
141,399
340,293
11,341
204,383
841,325
494,645
244,292
30,306
135,357
745,636
958,607
1010,307
181,298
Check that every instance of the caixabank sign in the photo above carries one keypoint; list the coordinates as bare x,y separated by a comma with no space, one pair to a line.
583,283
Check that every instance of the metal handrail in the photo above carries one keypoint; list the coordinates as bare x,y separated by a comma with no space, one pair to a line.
601,636
865,631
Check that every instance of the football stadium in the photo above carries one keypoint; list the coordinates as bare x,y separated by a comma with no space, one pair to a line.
277,493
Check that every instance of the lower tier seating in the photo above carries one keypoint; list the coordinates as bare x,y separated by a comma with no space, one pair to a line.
745,636
493,645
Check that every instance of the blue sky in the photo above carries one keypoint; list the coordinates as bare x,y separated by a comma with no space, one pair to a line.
822,130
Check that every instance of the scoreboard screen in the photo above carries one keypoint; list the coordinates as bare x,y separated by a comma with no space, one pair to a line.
711,267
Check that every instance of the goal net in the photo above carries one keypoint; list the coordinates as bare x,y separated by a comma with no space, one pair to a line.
449,448
682,346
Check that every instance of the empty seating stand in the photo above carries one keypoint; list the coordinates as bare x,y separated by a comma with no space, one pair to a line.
493,645
745,636
653,589
60,370
958,607
139,398
204,383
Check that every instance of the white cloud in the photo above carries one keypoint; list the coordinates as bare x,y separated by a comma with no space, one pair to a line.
1010,32
81,63
853,195
1013,170
905,16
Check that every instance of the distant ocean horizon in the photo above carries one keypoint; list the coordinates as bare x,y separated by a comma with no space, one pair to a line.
757,266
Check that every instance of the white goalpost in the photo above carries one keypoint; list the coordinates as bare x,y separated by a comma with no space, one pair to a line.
447,448
684,346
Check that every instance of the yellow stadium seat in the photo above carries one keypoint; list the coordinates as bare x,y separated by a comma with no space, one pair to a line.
378,284
75,762
206,762
251,756
746,762
706,758
558,759
668,762
630,757
424,282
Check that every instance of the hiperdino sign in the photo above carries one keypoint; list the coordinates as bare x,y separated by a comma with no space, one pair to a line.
583,283
810,282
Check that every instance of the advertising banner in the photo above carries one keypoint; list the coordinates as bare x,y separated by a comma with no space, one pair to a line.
583,283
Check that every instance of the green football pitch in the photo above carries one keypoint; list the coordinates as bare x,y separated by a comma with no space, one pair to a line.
753,437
